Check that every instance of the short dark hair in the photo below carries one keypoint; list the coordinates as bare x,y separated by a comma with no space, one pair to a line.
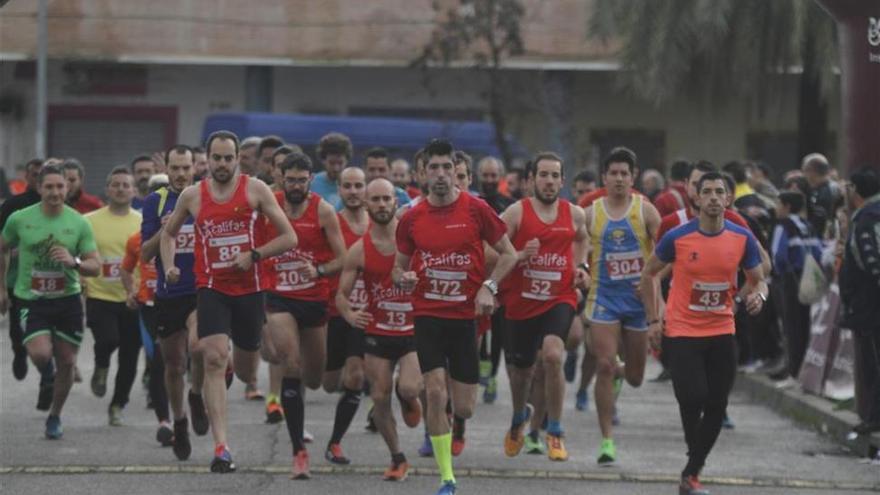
799,182
74,164
763,167
866,182
585,176
461,157
793,199
49,170
33,162
180,149
297,161
334,143
709,176
704,166
439,147
269,142
680,170
737,169
376,152
141,158
225,135
419,158
198,149
729,181
285,150
118,170
621,154
532,165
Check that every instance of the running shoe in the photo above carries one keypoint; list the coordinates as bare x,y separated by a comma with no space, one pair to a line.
45,396
556,448
199,414
427,448
300,470
533,443
396,472
515,437
607,453
485,371
581,400
99,381
690,485
251,392
664,376
274,412
727,423
20,365
222,462
335,455
165,435
371,423
54,431
308,437
411,410
181,447
447,488
570,366
114,415
490,393
457,446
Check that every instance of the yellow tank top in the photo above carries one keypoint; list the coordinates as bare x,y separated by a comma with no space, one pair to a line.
111,233
620,247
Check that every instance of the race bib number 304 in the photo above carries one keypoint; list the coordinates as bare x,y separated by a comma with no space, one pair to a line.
624,266
709,296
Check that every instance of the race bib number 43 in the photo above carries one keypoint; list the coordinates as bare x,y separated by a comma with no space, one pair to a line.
708,296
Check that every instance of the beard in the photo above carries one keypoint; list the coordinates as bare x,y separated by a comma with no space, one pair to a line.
221,175
489,188
381,217
547,200
296,197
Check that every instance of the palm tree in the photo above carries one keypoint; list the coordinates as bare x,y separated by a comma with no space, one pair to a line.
724,48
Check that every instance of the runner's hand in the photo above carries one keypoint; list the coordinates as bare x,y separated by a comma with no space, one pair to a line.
582,278
360,319
754,303
485,302
63,256
172,275
131,301
311,271
655,334
243,261
4,302
531,248
408,281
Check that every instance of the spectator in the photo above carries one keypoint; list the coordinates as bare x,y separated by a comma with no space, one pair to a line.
77,198
860,286
793,240
759,179
247,155
651,183
490,170
19,184
584,182
824,193
675,197
740,174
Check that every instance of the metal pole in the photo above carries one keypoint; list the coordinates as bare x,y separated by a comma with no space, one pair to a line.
42,45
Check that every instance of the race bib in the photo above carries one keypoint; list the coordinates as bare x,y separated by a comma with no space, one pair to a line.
624,266
44,283
358,299
394,316
293,276
185,241
151,284
223,250
445,285
710,296
541,285
110,269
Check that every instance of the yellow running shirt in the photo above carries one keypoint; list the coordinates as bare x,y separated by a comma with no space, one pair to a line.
111,234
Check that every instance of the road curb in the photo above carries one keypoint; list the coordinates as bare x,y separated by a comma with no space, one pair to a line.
810,410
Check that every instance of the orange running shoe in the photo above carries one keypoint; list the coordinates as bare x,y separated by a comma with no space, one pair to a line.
335,454
396,472
556,448
515,437
300,469
274,413
457,446
411,410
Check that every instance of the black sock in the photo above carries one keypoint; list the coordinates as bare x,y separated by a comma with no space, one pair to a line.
448,406
346,408
398,458
47,373
457,427
294,411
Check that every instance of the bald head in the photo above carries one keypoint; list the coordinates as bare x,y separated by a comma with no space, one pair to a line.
489,171
381,201
352,185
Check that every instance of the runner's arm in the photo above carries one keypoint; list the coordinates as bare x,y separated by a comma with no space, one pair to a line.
330,223
755,289
168,239
652,220
353,263
5,249
90,265
507,259
649,288
268,205
588,245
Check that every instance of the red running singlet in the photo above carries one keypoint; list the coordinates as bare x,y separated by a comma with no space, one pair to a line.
390,306
358,297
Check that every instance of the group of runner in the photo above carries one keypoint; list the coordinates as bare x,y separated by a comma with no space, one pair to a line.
348,288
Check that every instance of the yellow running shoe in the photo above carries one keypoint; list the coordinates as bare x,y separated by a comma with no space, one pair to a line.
556,448
515,437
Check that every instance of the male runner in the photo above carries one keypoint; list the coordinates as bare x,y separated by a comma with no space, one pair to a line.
622,227
387,322
550,238
226,207
114,325
440,256
705,255
334,150
296,328
55,247
176,302
345,344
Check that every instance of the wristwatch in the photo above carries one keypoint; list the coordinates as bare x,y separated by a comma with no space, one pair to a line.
255,255
492,286
321,271
77,262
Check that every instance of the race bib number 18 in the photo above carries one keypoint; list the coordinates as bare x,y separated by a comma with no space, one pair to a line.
47,283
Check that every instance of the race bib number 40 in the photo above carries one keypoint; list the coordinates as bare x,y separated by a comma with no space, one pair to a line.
709,296
358,299
445,285
44,283
624,266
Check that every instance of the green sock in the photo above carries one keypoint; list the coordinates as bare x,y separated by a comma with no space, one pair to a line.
443,455
270,398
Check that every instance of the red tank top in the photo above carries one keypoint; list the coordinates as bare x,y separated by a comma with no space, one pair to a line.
358,297
446,248
286,273
544,280
390,306
222,231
